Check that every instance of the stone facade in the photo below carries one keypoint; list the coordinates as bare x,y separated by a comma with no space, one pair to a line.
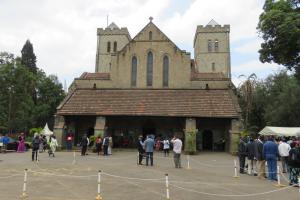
212,125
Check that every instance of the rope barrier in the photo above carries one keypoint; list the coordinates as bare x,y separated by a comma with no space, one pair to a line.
62,175
3,177
133,178
231,195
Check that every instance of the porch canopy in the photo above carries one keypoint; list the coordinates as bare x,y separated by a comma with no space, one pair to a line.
280,131
151,102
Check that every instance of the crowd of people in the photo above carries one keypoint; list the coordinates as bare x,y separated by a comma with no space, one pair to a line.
40,144
146,148
256,154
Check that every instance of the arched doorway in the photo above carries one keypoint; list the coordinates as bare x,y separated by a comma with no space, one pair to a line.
149,128
207,140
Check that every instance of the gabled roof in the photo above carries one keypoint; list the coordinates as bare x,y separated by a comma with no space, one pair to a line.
164,36
151,102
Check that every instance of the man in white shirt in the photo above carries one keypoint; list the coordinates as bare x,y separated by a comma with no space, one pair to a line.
177,146
284,149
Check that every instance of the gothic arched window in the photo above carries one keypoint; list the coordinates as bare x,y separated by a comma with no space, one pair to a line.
115,46
149,68
150,35
213,67
108,47
133,71
165,71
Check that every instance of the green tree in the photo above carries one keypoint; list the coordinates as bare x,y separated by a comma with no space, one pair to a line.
279,26
28,57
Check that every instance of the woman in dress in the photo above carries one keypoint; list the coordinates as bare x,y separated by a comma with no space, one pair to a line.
53,145
21,146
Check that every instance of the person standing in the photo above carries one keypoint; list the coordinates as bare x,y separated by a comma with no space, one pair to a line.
21,145
294,163
242,154
69,141
149,147
270,151
53,145
166,146
251,161
98,145
35,147
105,145
261,163
110,144
283,149
177,147
140,147
84,143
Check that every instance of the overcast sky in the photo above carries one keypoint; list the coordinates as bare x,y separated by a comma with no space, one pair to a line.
63,32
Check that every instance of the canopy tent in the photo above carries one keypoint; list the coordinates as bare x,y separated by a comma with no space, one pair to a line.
280,131
46,131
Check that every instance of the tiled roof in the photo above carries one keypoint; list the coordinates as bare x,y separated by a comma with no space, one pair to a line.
151,102
98,76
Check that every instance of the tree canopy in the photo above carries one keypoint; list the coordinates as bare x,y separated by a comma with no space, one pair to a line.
18,110
279,26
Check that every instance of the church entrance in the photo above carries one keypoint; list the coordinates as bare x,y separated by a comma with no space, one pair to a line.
207,140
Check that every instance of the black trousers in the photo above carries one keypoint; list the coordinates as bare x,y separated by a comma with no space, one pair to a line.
166,151
34,153
105,148
83,150
242,163
149,155
141,155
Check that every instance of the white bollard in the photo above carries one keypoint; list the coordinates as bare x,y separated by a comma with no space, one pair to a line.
235,169
74,158
98,197
188,162
24,194
278,178
167,187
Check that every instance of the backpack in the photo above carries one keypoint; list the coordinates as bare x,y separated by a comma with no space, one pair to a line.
294,156
106,141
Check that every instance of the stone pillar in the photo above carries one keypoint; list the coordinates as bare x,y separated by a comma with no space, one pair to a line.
59,125
99,128
234,135
190,135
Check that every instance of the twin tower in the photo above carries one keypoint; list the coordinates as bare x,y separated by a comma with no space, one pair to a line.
211,48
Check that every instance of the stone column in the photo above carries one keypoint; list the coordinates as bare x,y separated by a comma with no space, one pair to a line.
234,135
99,128
190,135
59,125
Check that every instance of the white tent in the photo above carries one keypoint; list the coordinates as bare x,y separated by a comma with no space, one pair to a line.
280,131
46,131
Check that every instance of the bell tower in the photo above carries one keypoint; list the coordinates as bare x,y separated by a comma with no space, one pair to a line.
109,41
212,49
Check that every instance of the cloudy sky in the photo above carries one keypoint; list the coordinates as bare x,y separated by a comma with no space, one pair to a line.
63,32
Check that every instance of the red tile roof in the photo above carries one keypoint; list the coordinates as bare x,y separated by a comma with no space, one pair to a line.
97,76
151,102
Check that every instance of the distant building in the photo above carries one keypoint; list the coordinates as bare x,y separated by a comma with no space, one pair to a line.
147,85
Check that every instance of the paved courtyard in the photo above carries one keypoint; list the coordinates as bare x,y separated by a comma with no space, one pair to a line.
210,177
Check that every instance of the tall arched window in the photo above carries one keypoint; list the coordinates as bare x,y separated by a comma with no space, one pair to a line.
166,71
115,46
108,47
133,71
216,45
150,35
149,68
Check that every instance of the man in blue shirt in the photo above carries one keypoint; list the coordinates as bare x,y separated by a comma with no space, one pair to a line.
149,147
270,152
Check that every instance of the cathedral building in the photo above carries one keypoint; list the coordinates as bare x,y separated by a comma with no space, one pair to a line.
148,85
